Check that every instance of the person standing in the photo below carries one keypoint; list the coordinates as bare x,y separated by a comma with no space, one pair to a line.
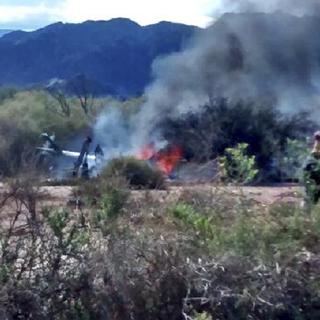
311,172
82,159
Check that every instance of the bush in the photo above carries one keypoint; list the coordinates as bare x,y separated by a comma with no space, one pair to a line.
237,166
259,266
61,268
7,93
23,117
203,225
105,198
42,272
293,158
138,173
255,234
221,124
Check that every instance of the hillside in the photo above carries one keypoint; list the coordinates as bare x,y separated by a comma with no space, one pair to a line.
4,31
117,54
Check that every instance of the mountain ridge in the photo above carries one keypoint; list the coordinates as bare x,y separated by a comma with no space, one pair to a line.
117,53
4,32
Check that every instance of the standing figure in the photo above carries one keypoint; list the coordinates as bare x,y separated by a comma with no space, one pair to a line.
82,159
312,172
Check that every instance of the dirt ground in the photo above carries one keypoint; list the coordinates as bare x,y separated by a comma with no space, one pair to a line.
262,195
266,195
62,196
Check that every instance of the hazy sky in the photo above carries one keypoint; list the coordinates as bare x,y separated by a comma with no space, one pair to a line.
31,14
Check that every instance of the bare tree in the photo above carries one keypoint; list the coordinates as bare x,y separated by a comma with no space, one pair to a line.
61,98
81,87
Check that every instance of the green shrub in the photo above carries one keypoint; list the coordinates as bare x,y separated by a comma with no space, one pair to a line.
203,225
249,233
23,117
7,93
293,158
138,173
241,236
202,316
105,198
237,166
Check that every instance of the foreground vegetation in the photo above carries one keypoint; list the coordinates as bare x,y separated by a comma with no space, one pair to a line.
121,253
129,255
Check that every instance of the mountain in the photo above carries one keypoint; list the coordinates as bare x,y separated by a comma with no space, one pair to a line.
4,31
116,55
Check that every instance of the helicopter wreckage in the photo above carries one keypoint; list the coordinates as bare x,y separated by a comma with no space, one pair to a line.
59,163
85,164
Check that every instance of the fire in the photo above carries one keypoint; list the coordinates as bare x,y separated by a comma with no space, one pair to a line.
166,159
147,152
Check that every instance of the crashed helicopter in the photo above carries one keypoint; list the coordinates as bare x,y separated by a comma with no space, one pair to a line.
85,164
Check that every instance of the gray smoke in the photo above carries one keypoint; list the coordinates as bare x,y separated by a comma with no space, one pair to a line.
294,7
114,133
267,58
269,55
118,134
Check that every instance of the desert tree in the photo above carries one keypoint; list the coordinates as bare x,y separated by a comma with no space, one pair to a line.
63,102
59,95
81,87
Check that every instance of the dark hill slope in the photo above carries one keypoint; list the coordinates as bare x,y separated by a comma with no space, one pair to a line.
117,54
4,31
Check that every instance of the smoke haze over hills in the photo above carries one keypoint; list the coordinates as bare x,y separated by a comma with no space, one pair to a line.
266,58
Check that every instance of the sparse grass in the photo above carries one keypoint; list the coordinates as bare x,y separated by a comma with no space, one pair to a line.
269,236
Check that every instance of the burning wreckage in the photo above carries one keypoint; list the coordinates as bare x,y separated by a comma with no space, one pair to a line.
169,160
166,160
86,164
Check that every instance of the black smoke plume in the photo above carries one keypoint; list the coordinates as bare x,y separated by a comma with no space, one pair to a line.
267,52
294,7
267,58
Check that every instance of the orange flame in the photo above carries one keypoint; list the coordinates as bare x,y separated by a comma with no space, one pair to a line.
147,152
166,160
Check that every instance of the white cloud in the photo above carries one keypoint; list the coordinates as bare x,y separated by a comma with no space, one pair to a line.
142,11
28,17
11,13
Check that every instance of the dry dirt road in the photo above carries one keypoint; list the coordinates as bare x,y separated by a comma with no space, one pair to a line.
265,194
60,196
